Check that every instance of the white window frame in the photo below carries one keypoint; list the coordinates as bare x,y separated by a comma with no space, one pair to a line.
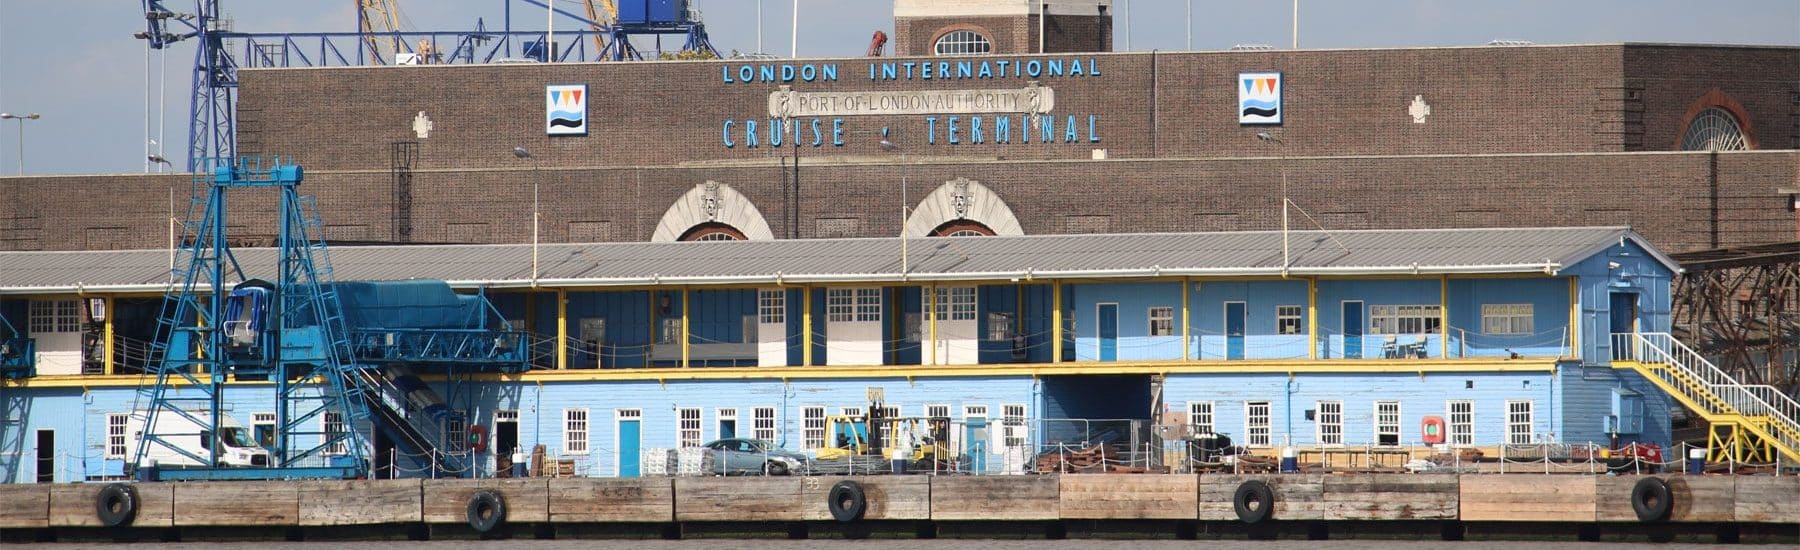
771,306
1387,423
118,436
868,305
999,326
53,316
1290,319
1459,432
1200,417
765,421
1328,423
840,305
955,303
748,329
1258,428
850,411
1508,319
1520,425
671,331
264,419
937,411
576,429
1405,318
1162,321
1012,426
812,427
688,430
456,431
722,415
962,42
329,420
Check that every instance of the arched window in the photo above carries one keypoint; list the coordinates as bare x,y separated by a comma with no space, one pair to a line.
713,231
962,228
1714,129
963,42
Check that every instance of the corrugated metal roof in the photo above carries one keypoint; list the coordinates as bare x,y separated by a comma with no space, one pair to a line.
822,260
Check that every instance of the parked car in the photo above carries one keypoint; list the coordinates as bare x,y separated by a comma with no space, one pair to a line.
753,456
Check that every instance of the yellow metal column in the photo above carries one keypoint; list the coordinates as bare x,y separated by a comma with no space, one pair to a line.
685,336
107,346
562,328
1444,316
932,319
1312,317
1186,354
806,326
1574,329
1056,322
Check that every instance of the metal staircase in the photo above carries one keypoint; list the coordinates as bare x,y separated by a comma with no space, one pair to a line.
1759,420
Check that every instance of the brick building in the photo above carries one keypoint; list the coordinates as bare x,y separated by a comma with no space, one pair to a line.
1370,138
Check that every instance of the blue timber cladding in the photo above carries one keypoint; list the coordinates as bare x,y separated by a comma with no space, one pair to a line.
1588,401
1548,298
1419,396
78,417
542,407
1638,278
1133,301
1333,293
1262,339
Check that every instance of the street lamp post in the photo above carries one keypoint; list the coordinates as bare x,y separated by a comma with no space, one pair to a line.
21,119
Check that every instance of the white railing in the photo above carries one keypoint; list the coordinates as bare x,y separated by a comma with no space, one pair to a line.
1705,384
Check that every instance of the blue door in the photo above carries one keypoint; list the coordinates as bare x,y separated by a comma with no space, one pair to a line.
975,438
1353,330
1234,330
1624,312
1107,325
628,448
728,429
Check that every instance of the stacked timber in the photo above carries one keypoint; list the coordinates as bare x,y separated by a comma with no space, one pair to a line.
1100,458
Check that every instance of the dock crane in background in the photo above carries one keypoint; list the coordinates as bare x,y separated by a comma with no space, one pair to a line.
220,50
384,14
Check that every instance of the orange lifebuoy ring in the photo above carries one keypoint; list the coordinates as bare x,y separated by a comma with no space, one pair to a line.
1431,430
478,439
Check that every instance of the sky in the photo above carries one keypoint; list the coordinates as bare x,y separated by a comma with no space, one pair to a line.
103,96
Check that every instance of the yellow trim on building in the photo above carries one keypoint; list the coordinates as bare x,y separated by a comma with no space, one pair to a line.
686,338
1312,318
107,345
1252,366
1443,316
806,325
1186,353
1056,322
1574,329
562,329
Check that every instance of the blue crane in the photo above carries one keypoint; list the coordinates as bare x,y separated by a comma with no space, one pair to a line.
341,355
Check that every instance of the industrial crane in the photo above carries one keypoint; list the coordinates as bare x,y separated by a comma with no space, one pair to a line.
376,19
602,14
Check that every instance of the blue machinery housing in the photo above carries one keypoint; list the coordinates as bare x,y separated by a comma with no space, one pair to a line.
1509,334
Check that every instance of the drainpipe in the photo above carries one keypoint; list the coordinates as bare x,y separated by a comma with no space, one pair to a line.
1287,427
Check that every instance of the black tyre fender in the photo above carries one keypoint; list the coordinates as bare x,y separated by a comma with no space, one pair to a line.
847,501
1253,501
487,510
1652,500
116,504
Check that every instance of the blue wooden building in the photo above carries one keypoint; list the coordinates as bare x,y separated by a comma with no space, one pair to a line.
1306,339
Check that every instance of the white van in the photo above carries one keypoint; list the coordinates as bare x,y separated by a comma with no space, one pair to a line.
236,446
